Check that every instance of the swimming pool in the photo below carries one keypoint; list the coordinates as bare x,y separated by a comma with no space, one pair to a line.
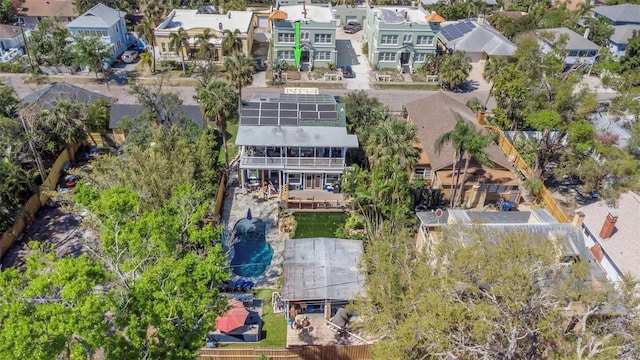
252,253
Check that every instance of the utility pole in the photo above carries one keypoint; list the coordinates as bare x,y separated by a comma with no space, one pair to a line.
24,38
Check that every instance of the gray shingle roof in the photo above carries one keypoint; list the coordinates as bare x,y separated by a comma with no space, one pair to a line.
622,33
118,111
49,95
623,13
472,37
99,16
574,41
322,268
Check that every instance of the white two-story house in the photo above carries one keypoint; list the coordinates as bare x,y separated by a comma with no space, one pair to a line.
295,139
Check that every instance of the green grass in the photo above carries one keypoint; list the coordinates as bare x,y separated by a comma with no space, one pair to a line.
274,326
318,224
232,132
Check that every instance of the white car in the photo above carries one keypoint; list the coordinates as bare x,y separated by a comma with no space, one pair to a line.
129,56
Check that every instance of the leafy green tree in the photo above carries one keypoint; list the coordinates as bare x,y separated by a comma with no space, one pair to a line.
48,44
66,124
363,113
630,61
231,41
8,101
89,51
239,68
393,141
146,30
217,101
8,12
493,69
600,30
206,50
454,69
179,41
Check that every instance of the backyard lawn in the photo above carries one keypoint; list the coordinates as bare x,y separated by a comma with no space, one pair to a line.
274,326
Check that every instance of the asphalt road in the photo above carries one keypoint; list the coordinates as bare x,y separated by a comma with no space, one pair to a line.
394,99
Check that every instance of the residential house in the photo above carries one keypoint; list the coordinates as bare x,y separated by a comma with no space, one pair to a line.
476,38
295,139
536,222
350,13
317,34
48,96
11,42
320,275
619,40
437,115
194,22
579,50
107,24
131,111
611,234
32,11
400,37
621,14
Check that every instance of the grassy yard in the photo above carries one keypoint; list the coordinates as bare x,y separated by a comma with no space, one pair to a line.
232,131
274,326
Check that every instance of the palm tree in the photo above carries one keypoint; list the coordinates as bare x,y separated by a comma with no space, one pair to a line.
393,140
457,137
474,149
454,68
202,41
230,41
217,102
239,68
146,30
67,122
179,40
147,59
492,69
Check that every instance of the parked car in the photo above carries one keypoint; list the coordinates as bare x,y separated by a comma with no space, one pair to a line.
259,64
352,27
347,72
129,56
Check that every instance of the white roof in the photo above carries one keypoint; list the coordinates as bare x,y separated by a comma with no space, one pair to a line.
396,14
321,136
622,247
314,13
191,19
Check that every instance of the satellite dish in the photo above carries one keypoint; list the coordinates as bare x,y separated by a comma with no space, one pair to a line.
439,213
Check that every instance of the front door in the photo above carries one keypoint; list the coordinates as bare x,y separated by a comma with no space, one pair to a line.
317,181
404,58
308,181
304,57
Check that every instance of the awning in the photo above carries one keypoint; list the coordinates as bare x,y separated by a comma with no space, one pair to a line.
318,136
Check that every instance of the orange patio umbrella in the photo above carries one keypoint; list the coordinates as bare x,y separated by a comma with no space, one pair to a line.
234,318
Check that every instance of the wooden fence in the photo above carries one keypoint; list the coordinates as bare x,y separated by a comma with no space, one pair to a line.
353,352
545,197
220,194
35,202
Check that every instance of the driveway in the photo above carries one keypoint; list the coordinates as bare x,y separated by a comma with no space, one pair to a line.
349,47
120,72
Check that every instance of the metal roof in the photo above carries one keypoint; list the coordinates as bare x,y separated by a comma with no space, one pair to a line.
99,16
322,268
574,42
320,136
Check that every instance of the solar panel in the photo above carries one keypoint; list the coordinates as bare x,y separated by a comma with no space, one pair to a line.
268,120
268,113
326,107
328,115
250,112
249,121
308,107
272,106
308,115
289,121
288,106
289,113
251,105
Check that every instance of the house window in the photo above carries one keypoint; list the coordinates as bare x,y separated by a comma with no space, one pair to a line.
304,35
592,53
573,53
295,179
285,54
582,53
323,38
407,38
389,39
323,55
492,189
504,188
387,56
419,172
252,174
164,47
420,57
118,44
424,40
286,37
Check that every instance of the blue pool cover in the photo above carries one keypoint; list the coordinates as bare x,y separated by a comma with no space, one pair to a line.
252,253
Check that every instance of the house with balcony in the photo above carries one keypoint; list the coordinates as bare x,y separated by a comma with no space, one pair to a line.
195,22
32,11
437,115
107,24
317,34
619,40
400,37
11,42
578,49
295,139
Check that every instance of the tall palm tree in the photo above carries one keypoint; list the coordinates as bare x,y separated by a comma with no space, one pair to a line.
492,69
146,59
239,68
217,102
457,138
393,140
474,149
231,41
454,68
146,29
179,40
204,46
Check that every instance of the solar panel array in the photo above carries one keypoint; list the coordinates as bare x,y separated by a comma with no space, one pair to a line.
457,30
306,98
276,113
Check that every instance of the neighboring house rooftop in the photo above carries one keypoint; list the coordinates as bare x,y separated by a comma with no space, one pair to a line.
628,13
436,115
399,14
193,19
118,111
9,31
49,95
48,8
622,247
322,268
99,16
574,40
622,33
474,37
321,14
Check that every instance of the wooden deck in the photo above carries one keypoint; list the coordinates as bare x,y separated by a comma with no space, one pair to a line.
317,195
316,334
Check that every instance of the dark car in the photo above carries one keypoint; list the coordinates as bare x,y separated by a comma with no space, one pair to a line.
347,72
259,65
352,27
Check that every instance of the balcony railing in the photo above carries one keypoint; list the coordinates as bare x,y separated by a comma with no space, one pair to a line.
292,162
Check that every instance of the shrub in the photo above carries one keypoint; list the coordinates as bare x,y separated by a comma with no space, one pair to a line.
365,48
